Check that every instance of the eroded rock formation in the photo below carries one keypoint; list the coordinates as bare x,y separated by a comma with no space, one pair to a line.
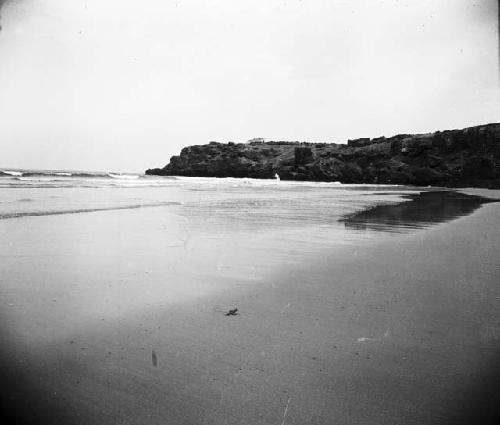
453,158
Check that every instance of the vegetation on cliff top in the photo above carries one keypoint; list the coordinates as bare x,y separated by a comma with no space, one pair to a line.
457,158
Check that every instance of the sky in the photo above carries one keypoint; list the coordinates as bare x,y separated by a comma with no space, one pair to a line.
121,85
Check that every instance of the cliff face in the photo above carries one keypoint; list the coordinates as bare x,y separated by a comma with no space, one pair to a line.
468,157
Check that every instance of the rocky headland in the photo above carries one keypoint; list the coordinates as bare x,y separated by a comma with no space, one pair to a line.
451,158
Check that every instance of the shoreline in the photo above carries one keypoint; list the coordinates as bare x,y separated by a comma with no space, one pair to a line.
392,330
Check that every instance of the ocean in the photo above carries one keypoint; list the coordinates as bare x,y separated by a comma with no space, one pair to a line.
253,204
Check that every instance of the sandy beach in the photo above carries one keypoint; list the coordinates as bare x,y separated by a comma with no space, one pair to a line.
99,328
249,212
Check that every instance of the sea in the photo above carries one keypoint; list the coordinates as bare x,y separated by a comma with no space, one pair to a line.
252,203
243,203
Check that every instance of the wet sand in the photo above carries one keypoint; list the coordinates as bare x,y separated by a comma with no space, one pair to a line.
399,329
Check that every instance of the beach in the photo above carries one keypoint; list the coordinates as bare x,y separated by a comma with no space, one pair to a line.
119,316
249,213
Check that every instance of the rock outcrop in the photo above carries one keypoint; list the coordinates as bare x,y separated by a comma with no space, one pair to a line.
452,158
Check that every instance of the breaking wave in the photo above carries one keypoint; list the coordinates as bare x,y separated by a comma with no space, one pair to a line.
10,173
73,174
62,178
6,216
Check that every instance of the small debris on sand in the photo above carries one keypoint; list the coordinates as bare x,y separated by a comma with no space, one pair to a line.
233,312
154,358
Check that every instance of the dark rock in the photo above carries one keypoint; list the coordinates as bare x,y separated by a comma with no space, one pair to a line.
453,158
356,143
302,155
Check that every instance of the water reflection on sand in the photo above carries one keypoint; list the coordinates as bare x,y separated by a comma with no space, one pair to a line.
421,211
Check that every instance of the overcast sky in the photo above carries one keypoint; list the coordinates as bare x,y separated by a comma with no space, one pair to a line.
123,85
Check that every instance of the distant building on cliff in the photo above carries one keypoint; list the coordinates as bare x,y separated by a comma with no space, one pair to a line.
256,141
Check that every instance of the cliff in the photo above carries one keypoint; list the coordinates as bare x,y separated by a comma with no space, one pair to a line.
453,158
